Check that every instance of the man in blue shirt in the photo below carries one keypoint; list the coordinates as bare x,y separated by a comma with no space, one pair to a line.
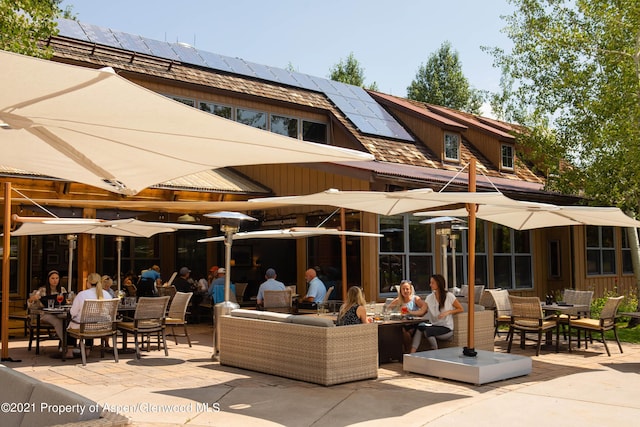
216,290
149,280
317,291
271,284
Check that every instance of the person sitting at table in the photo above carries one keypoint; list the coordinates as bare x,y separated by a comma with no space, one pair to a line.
271,284
316,291
38,298
94,291
354,310
216,290
184,283
414,305
441,306
107,285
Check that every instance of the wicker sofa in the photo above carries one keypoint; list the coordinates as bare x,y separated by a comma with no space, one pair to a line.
302,347
31,402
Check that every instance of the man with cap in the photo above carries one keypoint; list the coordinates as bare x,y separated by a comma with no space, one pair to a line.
271,284
183,282
216,290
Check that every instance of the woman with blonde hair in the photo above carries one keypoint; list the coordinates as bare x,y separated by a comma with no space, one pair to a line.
354,310
413,306
94,291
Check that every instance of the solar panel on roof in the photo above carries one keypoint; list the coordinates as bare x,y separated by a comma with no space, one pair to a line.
132,42
188,55
357,105
261,71
284,76
160,49
215,61
70,28
239,66
100,35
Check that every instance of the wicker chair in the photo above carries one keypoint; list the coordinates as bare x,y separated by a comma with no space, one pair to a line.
606,322
167,291
97,320
574,297
502,309
477,293
526,316
148,319
178,313
280,301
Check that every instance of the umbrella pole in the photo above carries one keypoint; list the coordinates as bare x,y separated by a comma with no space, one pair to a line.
71,238
471,207
6,250
119,240
343,248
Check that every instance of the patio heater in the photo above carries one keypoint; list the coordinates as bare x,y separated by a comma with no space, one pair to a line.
229,225
72,239
443,229
119,240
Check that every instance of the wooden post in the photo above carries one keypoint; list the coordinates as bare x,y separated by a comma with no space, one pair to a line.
471,208
343,247
6,253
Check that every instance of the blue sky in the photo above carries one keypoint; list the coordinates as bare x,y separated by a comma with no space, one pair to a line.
390,39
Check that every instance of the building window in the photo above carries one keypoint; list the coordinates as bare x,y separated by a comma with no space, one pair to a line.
507,156
217,109
256,119
462,256
286,126
601,250
186,101
406,252
451,147
314,132
627,264
512,258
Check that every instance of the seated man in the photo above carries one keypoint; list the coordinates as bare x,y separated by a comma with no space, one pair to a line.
316,291
216,290
271,284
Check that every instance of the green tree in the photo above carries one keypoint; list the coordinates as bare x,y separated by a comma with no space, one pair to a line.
573,76
23,23
350,72
441,82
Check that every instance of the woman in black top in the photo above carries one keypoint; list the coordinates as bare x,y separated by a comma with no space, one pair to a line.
353,311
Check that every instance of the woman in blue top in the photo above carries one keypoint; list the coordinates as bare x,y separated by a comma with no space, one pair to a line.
354,311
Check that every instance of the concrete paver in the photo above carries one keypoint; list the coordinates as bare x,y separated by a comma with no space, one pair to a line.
189,388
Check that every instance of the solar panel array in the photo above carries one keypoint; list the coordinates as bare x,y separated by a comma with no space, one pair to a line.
356,104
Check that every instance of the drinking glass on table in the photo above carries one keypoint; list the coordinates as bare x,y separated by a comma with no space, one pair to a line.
60,298
50,303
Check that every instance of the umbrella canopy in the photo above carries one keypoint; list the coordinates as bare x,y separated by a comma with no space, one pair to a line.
95,127
119,227
389,203
291,233
531,215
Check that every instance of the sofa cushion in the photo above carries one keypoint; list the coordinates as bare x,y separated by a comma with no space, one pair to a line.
313,321
249,314
276,317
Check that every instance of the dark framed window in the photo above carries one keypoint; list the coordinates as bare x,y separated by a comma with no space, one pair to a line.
601,250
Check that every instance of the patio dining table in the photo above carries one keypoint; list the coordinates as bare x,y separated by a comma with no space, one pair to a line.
558,309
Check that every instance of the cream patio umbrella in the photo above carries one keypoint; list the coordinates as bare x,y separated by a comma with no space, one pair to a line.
291,233
531,215
119,228
97,128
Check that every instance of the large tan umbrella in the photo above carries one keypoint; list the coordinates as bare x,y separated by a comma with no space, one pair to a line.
97,128
291,233
531,215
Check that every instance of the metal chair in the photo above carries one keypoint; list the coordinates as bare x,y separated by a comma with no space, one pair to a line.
148,319
97,320
178,313
42,332
526,316
606,322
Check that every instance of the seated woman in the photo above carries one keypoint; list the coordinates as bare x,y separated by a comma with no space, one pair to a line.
354,310
441,306
52,289
415,306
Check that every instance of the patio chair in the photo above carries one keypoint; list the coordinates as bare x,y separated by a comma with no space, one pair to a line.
46,331
606,322
240,289
167,291
477,293
280,301
178,313
148,319
97,320
571,296
526,317
502,309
